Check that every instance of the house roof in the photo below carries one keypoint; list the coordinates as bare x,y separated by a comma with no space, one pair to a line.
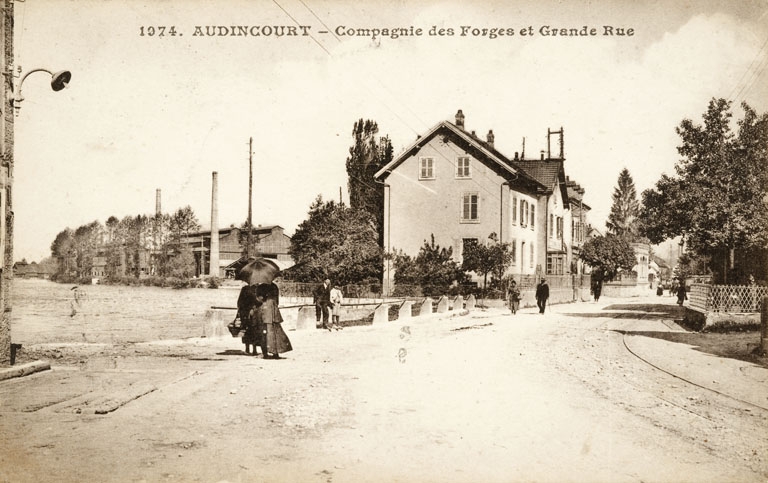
483,150
576,193
549,172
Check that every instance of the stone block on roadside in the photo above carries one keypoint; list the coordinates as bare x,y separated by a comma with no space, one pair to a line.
405,311
442,305
471,302
426,307
458,303
381,314
214,324
306,318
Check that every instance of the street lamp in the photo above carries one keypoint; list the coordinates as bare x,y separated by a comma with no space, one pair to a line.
59,81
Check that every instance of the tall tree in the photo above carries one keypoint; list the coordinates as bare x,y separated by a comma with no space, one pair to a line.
487,258
625,210
337,242
62,249
368,154
718,199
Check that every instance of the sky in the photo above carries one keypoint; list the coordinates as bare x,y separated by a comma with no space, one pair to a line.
151,112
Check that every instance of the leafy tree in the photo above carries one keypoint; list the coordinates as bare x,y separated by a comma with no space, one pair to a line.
433,270
483,259
718,198
337,242
86,240
625,210
62,250
182,222
607,255
367,155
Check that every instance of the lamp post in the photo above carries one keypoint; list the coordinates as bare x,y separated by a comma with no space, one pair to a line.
59,81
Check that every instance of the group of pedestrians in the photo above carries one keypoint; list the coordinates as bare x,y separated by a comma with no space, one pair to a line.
260,319
513,296
328,299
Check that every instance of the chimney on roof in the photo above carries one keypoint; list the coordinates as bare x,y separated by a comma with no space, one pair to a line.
516,156
490,137
473,134
460,119
542,154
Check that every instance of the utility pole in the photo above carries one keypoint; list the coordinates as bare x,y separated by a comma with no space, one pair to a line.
250,198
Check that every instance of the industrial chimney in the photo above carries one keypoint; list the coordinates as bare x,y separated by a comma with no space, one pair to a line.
158,211
460,119
214,256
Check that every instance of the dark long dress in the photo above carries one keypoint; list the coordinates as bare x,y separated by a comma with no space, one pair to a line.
275,341
247,305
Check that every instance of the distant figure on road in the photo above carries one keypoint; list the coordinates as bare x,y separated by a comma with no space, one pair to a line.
336,298
681,294
597,288
322,297
273,341
542,294
513,297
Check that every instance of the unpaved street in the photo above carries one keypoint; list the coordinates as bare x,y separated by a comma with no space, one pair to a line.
481,397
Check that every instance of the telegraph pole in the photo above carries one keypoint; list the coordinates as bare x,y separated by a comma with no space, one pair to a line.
250,197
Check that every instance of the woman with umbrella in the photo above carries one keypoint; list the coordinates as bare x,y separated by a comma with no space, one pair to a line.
273,339
259,274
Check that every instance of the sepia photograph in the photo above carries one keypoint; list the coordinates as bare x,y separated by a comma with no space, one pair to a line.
344,241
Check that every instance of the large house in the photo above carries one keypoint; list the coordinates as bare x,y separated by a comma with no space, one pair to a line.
451,184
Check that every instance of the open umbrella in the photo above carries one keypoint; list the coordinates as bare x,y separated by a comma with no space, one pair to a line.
258,270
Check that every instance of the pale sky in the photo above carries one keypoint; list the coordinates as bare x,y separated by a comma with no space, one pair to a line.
150,112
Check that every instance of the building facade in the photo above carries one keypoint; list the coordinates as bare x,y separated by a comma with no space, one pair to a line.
266,241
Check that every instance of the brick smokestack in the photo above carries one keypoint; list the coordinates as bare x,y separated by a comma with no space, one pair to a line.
158,210
214,256
460,119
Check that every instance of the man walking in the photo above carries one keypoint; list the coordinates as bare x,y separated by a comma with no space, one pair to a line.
323,298
542,294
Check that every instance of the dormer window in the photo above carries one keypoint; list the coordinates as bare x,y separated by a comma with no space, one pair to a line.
462,167
427,168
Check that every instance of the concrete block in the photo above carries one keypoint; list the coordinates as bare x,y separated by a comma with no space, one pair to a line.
442,305
458,304
426,307
471,302
405,310
306,318
381,314
214,324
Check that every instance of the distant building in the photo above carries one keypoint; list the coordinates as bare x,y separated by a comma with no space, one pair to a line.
268,241
32,270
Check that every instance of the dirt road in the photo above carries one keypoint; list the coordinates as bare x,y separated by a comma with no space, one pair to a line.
481,397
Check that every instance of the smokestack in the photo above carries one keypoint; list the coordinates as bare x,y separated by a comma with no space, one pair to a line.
158,211
214,256
460,119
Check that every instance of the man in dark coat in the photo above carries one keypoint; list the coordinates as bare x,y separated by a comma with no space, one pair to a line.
322,296
542,294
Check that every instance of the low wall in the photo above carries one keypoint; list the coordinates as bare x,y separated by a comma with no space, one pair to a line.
299,314
702,320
